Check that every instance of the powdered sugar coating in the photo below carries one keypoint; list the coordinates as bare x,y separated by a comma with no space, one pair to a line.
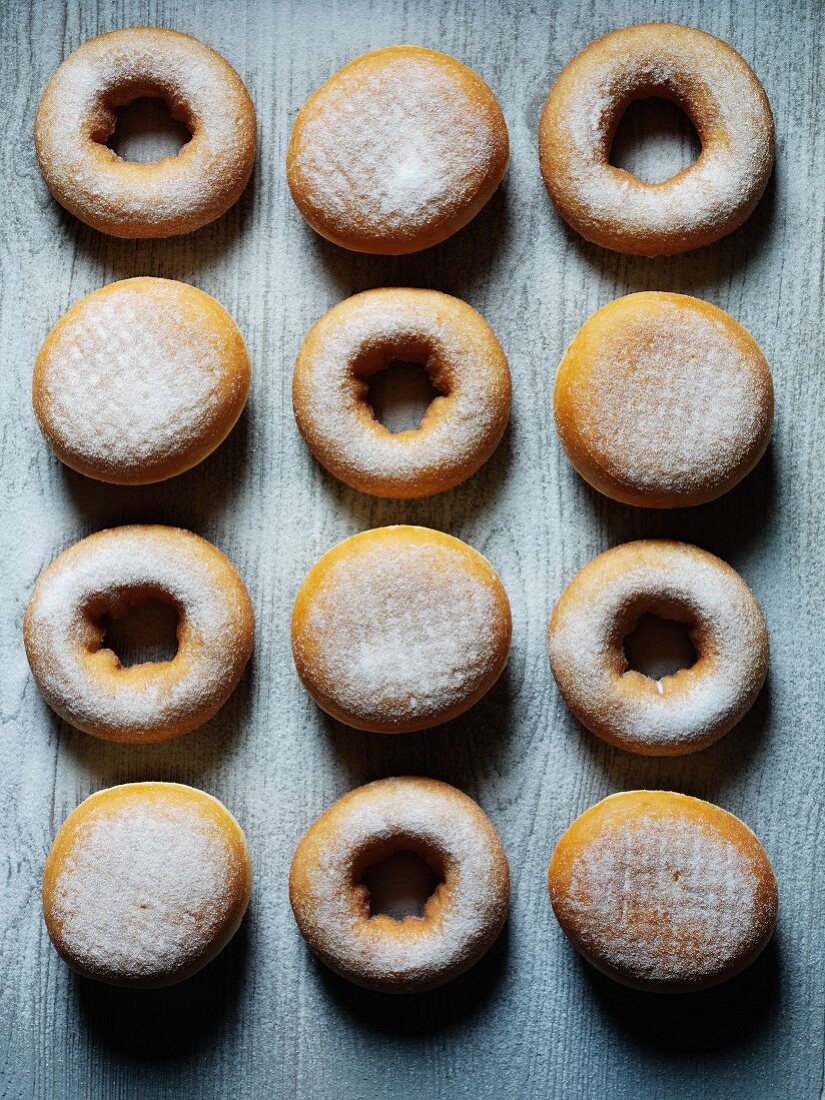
396,151
140,380
663,891
724,100
461,919
663,400
77,114
361,336
677,714
400,628
143,888
106,574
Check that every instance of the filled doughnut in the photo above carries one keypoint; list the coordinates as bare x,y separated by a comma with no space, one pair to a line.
400,629
140,381
661,891
397,151
78,113
676,714
461,919
145,884
721,96
102,577
362,336
663,401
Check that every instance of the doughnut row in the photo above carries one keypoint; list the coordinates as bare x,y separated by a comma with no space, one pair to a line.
661,401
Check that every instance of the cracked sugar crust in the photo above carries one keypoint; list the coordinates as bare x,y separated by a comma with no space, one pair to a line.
400,628
145,883
397,151
663,400
663,891
140,381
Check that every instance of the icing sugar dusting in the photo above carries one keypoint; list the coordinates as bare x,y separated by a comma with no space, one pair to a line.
393,149
402,631
136,375
144,891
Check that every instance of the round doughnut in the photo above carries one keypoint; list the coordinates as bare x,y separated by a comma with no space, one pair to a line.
397,151
664,892
145,884
140,381
400,629
103,576
362,336
719,93
663,401
677,714
78,113
462,918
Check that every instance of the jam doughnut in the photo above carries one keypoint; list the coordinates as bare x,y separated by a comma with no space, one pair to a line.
716,89
145,884
397,151
103,576
140,381
362,336
78,113
462,918
400,629
663,401
664,892
677,714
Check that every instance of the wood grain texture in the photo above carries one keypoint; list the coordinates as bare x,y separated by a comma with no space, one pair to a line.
532,1020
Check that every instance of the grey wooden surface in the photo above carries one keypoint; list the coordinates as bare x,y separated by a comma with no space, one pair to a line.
532,1020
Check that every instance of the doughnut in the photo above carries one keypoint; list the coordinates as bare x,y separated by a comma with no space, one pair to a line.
400,629
362,336
462,918
102,577
663,401
145,884
78,113
677,714
722,97
140,381
664,892
397,151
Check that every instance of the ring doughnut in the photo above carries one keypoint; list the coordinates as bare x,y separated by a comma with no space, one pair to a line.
681,713
145,884
720,94
663,401
462,918
397,151
106,574
400,629
78,113
362,336
664,892
140,381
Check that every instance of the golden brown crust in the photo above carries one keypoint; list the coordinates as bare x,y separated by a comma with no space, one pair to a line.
663,401
663,891
397,151
106,574
461,919
122,900
140,381
718,91
681,713
363,335
400,629
174,195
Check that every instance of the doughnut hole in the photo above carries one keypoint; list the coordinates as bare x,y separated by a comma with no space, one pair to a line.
654,140
138,626
145,131
400,395
658,647
400,878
